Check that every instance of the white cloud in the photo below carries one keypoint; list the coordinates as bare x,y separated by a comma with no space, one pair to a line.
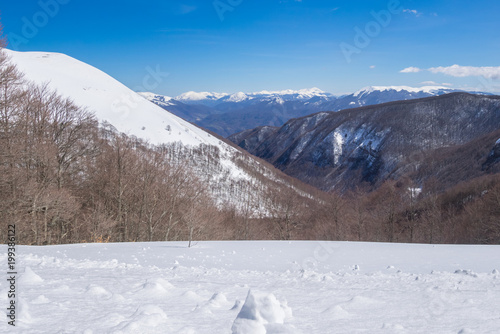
429,83
488,72
372,66
412,11
410,69
434,83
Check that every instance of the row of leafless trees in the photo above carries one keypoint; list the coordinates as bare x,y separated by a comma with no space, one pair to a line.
398,212
65,179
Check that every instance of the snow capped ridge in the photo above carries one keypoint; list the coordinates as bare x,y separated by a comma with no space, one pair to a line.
277,100
238,97
152,96
310,92
423,89
301,94
198,96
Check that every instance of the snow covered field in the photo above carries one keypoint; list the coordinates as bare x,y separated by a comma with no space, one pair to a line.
295,287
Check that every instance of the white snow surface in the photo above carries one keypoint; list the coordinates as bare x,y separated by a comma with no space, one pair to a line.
255,287
110,100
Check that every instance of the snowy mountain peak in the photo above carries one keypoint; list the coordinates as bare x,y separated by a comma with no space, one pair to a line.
198,96
238,97
311,92
277,100
423,89
288,95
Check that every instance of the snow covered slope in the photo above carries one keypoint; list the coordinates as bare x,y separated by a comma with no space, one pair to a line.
111,101
227,176
256,287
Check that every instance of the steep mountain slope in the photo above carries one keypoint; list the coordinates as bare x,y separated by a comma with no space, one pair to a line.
370,144
112,101
233,176
241,111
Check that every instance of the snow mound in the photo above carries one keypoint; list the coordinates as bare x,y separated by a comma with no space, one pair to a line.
218,300
97,291
153,289
144,320
336,313
262,313
465,272
191,295
29,277
24,312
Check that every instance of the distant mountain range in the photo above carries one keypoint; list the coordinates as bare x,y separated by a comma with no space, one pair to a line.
451,138
226,114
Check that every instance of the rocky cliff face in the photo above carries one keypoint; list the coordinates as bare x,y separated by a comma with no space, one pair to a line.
369,144
493,156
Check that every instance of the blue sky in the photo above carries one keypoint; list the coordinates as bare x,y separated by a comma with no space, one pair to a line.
244,45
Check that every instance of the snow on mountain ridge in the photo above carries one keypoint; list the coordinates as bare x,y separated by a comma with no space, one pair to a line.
301,94
423,89
197,96
307,92
238,97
